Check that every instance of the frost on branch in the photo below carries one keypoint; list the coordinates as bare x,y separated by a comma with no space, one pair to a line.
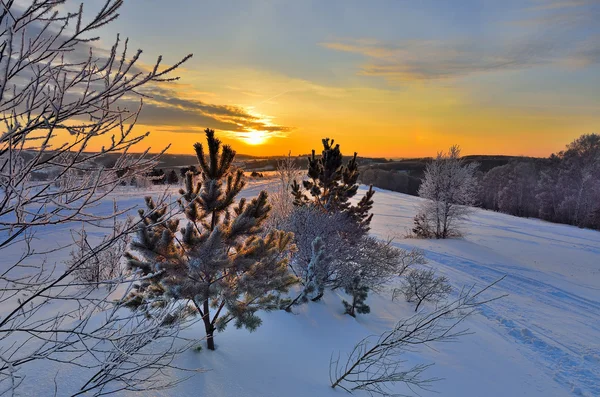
421,285
450,188
61,105
343,252
376,363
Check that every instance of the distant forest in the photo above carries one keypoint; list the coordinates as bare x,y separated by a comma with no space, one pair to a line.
564,188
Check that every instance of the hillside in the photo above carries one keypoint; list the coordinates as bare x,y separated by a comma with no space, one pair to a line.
541,340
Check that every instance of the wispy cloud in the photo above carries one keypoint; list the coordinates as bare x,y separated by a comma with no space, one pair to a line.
433,60
558,4
550,32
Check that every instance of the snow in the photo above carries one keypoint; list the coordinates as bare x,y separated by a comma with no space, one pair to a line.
543,339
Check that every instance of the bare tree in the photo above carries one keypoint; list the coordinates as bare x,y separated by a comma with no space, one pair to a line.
450,187
60,97
375,363
421,285
104,265
281,200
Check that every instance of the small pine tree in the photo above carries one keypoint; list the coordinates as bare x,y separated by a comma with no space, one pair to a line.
172,178
359,294
422,226
218,263
331,185
184,170
157,176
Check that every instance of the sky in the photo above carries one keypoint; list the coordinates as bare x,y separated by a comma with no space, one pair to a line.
387,78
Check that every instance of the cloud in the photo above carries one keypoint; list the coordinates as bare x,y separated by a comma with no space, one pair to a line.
558,4
433,60
165,103
552,32
168,105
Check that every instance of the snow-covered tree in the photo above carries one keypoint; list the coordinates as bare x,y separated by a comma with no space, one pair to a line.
449,185
315,277
332,250
218,263
422,285
579,181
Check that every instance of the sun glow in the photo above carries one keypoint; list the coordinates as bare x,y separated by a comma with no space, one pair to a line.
255,137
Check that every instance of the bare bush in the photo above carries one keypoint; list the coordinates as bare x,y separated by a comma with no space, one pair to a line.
421,285
375,364
281,200
60,97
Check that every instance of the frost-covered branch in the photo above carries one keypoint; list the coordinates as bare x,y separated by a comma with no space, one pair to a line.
375,364
65,147
450,188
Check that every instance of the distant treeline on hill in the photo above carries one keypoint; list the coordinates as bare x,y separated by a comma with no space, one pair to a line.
563,188
405,176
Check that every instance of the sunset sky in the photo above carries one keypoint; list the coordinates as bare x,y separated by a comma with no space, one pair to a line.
386,78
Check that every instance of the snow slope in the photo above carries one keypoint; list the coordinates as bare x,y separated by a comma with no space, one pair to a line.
541,340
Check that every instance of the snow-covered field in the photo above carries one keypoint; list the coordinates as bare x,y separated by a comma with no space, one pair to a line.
543,339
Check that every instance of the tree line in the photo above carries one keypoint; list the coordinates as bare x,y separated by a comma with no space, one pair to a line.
564,188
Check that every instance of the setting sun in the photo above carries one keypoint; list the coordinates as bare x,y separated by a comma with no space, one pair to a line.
255,137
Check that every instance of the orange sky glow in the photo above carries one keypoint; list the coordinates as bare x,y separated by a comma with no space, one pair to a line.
516,77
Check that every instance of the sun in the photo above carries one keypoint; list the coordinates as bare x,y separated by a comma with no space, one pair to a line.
255,137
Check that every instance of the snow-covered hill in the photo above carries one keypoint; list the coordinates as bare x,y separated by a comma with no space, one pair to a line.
541,340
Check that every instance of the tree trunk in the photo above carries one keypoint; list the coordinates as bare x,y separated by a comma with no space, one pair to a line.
418,304
353,306
208,327
210,340
318,297
288,308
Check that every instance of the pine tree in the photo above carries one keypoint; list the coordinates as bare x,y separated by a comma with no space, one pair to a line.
172,178
218,263
157,176
359,293
331,185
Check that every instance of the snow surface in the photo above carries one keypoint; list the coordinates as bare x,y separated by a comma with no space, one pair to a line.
541,340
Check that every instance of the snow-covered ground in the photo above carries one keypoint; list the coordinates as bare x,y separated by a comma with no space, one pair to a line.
543,339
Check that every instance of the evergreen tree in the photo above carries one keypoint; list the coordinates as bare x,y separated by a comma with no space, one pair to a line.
185,170
172,178
331,185
359,293
218,263
157,176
